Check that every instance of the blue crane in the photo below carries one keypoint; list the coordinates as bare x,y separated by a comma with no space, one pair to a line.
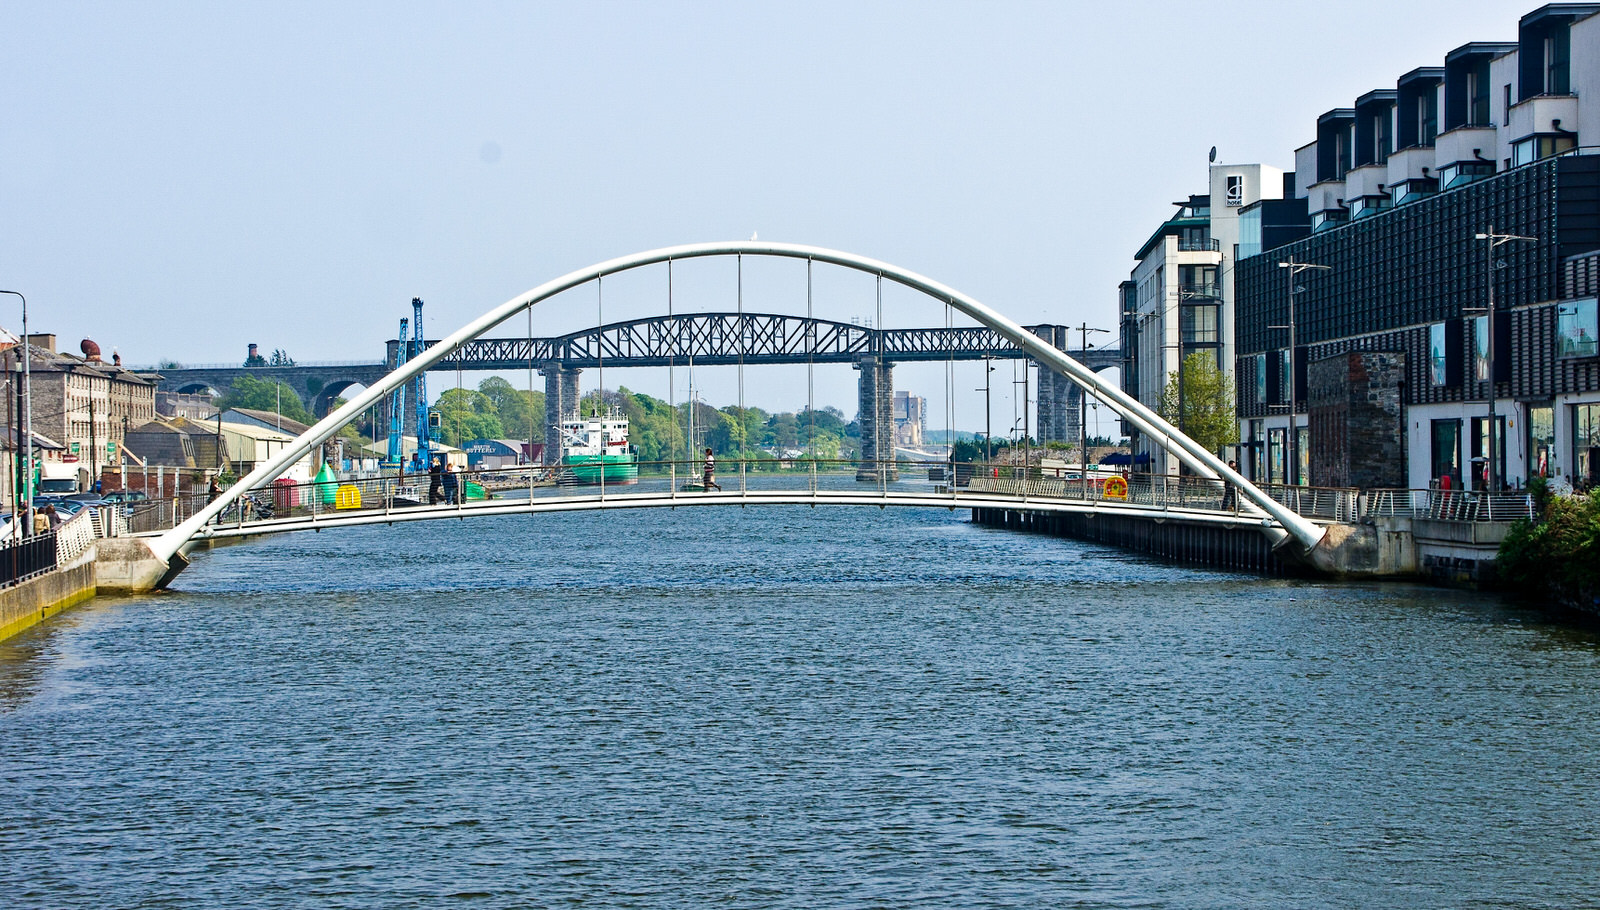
424,428
397,402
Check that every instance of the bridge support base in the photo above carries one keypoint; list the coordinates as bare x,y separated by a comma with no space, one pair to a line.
127,565
876,387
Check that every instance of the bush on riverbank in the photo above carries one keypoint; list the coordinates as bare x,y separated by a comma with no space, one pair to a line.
1558,554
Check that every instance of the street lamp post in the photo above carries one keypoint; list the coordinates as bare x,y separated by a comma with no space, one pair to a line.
1495,242
1083,445
1295,268
27,411
988,431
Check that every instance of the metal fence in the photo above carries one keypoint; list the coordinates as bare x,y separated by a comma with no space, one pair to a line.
23,559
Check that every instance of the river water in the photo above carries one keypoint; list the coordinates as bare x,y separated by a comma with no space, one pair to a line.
789,708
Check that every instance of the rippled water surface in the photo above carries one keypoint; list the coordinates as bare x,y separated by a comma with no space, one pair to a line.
789,708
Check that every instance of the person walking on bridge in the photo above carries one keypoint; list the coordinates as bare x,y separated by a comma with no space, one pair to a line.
708,481
434,481
452,483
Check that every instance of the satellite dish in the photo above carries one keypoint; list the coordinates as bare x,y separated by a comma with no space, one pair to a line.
1213,158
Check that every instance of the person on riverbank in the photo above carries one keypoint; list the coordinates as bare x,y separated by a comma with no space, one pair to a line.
434,481
213,490
708,480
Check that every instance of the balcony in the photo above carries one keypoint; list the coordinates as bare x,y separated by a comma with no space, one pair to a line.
1368,180
1204,290
1466,143
1198,245
1539,113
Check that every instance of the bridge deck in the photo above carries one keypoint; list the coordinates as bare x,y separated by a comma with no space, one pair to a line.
386,500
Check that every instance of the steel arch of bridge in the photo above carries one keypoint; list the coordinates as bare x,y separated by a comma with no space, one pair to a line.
1305,533
725,339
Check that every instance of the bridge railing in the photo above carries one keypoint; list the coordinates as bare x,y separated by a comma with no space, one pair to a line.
388,492
1450,505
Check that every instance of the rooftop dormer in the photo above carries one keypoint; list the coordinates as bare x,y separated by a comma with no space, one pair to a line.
1467,88
1417,101
1374,127
1544,42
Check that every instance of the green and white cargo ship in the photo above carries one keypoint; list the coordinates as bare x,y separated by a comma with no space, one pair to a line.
597,447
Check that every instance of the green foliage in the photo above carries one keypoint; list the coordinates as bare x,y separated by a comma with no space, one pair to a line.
1207,395
281,358
255,360
167,363
521,411
1557,555
466,415
265,395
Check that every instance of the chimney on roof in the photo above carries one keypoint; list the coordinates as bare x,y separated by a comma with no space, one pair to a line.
39,340
252,355
91,351
116,359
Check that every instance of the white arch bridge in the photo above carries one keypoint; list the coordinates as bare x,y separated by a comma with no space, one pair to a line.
1291,533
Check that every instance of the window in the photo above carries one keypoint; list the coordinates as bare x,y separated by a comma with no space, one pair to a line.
1461,172
1428,116
1438,356
1261,379
1200,324
1381,138
1480,348
1533,148
1198,281
1577,328
1283,366
1275,460
1480,450
1586,443
1302,449
1368,205
1478,94
1447,450
1557,65
1541,441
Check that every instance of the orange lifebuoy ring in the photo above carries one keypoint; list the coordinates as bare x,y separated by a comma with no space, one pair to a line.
1115,488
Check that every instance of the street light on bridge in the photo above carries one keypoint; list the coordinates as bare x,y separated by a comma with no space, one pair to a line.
1083,444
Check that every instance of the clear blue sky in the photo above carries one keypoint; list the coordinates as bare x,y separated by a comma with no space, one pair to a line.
180,179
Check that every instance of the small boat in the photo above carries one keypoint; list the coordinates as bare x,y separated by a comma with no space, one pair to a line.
596,450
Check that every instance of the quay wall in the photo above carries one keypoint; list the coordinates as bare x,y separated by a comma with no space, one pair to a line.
1242,549
24,605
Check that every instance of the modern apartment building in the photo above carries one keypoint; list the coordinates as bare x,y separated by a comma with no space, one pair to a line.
1179,299
1455,224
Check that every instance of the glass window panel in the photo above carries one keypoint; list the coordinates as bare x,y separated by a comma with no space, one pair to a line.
1577,329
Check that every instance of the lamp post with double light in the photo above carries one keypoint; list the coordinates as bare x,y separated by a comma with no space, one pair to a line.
1295,268
1495,241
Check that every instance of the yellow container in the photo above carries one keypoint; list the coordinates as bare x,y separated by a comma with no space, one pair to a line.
347,497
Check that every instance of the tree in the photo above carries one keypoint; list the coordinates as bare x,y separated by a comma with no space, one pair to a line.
281,358
465,415
265,395
1207,395
521,412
